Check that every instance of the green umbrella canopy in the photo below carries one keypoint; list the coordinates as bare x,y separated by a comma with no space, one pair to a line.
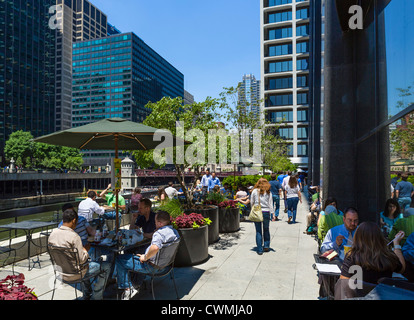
402,162
101,135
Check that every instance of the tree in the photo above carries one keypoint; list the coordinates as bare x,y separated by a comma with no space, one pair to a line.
19,145
402,138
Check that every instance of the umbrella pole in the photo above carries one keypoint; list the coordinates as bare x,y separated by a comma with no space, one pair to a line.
116,189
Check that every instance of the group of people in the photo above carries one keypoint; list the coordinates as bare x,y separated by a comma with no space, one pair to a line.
75,228
367,244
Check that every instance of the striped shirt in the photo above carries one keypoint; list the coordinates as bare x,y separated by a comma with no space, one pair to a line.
81,229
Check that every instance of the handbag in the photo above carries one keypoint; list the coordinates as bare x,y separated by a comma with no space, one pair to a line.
256,214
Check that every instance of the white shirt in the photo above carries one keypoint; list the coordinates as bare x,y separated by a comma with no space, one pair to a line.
285,182
171,192
87,207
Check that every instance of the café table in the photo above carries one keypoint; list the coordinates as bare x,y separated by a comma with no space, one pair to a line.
328,278
29,226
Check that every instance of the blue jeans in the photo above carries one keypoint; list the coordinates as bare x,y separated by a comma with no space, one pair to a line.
292,204
94,290
404,202
126,262
276,202
263,236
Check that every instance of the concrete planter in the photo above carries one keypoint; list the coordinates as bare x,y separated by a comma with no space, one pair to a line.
193,247
229,220
211,212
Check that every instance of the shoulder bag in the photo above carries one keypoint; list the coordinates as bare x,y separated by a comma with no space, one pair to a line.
256,214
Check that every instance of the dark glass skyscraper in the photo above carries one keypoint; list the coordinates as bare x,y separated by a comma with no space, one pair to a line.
117,76
27,68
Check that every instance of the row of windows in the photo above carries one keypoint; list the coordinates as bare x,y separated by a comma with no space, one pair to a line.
287,15
286,99
102,41
286,83
102,60
287,116
285,66
101,54
286,32
272,3
284,49
287,133
102,48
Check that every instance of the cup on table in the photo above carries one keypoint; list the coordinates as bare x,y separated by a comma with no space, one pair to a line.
113,204
347,248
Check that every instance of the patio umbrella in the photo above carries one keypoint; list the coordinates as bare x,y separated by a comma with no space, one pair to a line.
108,134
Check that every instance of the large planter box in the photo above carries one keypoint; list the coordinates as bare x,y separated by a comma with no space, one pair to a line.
193,247
210,212
229,220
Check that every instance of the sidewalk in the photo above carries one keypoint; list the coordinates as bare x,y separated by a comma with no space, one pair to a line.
234,270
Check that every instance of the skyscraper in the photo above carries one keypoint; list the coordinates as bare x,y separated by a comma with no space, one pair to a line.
249,93
116,76
27,68
285,61
79,20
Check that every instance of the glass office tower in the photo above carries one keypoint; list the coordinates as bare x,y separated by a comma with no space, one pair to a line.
249,93
117,76
27,68
285,63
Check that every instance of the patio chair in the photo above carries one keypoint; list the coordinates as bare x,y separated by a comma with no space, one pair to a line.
62,260
163,260
8,249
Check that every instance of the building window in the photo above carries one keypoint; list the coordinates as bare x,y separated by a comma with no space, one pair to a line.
302,30
302,98
279,83
280,50
272,3
279,33
280,116
301,81
302,115
302,150
285,133
302,133
279,16
302,13
280,100
302,64
302,47
281,66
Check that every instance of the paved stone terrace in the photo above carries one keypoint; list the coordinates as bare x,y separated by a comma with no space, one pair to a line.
234,270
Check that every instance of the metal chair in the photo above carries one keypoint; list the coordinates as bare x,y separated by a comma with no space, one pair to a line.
66,262
163,260
8,249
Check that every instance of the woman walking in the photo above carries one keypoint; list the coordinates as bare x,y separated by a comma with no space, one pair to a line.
293,196
262,196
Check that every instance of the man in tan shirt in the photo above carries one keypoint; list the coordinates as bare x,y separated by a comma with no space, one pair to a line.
65,236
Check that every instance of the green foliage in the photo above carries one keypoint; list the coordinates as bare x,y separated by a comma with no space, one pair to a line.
30,154
234,182
217,197
173,207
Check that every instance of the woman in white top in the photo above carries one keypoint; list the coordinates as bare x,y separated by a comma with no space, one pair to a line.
293,196
261,195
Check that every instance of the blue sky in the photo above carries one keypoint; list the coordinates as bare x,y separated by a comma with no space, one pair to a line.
213,43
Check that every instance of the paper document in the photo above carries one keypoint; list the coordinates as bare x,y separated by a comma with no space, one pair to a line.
328,268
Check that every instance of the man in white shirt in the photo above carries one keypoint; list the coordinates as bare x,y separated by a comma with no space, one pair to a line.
89,206
205,182
284,184
171,191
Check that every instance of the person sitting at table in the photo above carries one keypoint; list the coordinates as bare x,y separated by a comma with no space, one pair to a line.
370,252
110,198
390,215
83,228
65,236
408,253
340,235
404,224
89,206
227,191
144,262
135,199
145,218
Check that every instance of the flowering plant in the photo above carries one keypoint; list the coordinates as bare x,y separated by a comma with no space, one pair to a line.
192,220
228,204
12,288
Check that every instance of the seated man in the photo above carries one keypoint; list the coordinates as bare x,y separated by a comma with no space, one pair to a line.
341,234
404,224
227,191
89,206
165,233
145,218
65,236
83,228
